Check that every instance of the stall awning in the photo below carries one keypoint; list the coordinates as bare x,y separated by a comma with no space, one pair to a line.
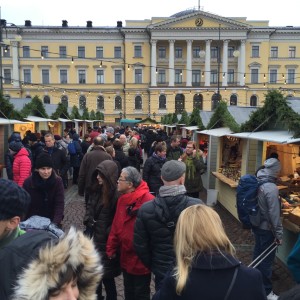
217,131
190,127
64,120
169,126
38,119
10,121
276,136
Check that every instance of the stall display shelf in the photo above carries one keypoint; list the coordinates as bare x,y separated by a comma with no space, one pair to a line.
223,178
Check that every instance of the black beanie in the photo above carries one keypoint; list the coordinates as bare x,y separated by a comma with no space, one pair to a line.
43,160
14,200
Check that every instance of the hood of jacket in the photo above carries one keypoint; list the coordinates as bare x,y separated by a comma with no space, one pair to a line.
271,169
75,137
169,208
109,170
22,152
43,273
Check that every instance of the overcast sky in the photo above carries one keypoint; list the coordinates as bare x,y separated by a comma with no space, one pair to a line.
108,12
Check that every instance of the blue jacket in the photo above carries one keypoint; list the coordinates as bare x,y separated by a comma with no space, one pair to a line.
210,278
293,261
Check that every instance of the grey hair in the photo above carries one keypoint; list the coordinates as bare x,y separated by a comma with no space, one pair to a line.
132,175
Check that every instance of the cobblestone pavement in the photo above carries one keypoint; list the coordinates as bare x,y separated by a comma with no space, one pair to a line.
241,238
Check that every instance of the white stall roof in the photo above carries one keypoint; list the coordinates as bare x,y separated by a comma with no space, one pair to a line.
217,131
170,126
64,120
190,127
38,119
276,136
10,121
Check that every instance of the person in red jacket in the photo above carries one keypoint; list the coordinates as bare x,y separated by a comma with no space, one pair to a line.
134,192
22,162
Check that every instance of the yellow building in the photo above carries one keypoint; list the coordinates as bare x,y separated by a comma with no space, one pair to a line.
151,67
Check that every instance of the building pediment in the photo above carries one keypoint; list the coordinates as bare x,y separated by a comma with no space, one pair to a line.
198,20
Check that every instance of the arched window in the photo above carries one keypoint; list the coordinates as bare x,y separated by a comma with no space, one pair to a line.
46,99
28,97
82,102
179,103
138,102
253,100
162,102
215,99
233,99
64,100
198,101
100,102
118,102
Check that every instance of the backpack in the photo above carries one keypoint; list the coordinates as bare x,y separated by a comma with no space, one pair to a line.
72,148
247,201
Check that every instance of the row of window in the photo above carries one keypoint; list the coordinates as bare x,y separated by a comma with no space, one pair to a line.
138,102
274,76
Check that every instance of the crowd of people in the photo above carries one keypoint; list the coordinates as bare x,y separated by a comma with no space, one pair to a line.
145,213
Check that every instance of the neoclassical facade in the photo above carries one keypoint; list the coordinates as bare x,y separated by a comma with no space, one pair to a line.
151,67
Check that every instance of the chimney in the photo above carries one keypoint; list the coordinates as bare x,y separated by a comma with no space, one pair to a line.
89,24
64,23
3,23
119,24
27,23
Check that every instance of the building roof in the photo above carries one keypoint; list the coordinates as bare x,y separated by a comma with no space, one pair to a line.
241,114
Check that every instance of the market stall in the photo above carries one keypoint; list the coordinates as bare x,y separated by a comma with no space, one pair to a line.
39,124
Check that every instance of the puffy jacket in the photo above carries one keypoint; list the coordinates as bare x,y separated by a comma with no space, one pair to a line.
21,166
154,230
152,173
101,217
121,234
210,276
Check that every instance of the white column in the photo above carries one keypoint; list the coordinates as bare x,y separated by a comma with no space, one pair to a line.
242,62
189,63
153,62
207,63
15,59
225,63
171,62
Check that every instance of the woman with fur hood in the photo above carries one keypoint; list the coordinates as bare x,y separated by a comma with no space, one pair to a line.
69,268
98,219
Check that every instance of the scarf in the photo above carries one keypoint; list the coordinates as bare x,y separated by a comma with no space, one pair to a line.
172,190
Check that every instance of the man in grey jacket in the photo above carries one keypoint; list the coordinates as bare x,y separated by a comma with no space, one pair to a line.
269,228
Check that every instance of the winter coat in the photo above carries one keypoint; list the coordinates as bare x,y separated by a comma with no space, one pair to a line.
100,217
72,251
195,167
84,146
293,261
210,278
88,165
154,231
268,199
9,159
121,234
36,150
134,161
75,159
121,158
152,173
47,197
59,159
174,153
21,166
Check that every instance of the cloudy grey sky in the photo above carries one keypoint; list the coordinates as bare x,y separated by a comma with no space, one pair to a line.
108,12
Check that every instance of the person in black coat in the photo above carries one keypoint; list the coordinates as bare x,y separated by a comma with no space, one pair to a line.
205,264
119,154
75,159
99,216
152,168
133,159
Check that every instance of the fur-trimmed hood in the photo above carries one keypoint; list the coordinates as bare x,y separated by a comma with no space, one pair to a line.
43,273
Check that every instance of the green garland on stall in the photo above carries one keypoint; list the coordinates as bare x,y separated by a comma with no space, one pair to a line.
35,107
222,118
60,112
195,119
275,113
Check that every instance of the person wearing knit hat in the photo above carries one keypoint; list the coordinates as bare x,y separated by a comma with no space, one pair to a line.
156,221
46,190
14,203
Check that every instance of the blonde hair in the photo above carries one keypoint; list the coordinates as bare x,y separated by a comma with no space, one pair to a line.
199,230
134,142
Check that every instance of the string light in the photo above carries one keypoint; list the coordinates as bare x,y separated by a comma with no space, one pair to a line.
6,49
224,75
42,55
202,75
128,67
72,61
264,76
100,64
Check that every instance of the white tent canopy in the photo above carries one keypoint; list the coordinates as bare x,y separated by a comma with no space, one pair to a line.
10,121
217,131
38,119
